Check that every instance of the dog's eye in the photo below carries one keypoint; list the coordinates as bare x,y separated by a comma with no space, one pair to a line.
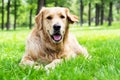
49,17
62,17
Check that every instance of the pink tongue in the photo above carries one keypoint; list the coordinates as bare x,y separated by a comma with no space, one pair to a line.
57,37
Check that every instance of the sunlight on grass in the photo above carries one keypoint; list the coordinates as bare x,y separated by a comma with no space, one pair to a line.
103,43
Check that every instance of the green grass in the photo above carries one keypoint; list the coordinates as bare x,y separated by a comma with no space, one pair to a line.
103,43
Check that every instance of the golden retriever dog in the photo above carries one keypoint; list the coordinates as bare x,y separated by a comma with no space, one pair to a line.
50,41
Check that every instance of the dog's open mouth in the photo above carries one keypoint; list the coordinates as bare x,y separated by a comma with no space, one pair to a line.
56,37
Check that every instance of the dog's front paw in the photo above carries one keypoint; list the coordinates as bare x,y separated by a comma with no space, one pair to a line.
53,64
36,67
50,66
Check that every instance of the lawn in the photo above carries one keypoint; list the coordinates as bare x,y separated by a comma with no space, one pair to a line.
103,43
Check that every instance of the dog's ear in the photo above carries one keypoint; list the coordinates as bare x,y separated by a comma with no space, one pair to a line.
39,19
71,18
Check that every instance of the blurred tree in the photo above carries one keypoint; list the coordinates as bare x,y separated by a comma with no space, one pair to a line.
117,5
8,15
60,3
40,4
45,2
56,2
97,11
81,12
102,12
30,13
63,3
110,13
2,26
88,3
15,14
17,11
89,14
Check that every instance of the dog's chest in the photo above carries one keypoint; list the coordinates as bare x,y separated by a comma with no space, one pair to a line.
52,51
49,55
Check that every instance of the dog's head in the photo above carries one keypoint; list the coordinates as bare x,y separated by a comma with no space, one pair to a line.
54,21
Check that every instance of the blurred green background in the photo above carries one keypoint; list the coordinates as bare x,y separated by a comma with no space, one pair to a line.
21,13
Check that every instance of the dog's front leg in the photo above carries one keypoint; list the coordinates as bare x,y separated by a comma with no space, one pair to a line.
53,64
27,61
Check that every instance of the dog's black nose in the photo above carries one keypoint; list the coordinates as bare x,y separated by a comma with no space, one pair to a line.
56,26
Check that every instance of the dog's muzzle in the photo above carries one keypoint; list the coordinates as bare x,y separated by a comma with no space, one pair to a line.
56,34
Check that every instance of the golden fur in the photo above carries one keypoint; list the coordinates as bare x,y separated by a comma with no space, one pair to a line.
41,48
